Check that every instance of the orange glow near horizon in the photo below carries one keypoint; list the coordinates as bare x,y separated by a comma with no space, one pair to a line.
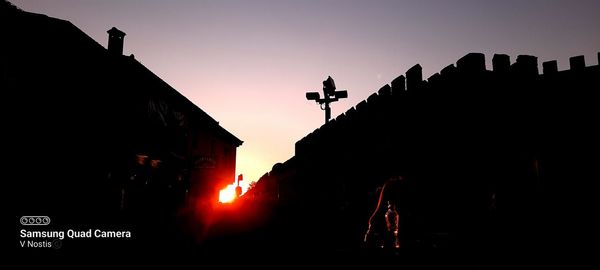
253,163
227,195
256,89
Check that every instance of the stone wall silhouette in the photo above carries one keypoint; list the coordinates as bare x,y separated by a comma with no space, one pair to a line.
490,157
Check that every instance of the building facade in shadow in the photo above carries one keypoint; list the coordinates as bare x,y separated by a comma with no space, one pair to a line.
92,133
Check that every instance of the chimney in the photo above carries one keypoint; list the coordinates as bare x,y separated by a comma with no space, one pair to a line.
115,41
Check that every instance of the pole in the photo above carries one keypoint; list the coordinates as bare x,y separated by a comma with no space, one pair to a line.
329,95
327,112
327,100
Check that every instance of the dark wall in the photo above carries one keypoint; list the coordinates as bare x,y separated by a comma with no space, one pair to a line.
489,158
90,135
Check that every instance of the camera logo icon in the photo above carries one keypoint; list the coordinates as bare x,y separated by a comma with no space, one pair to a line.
35,220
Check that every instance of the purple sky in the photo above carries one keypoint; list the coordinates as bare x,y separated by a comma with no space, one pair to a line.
249,63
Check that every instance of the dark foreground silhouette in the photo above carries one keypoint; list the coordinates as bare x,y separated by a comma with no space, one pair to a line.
493,161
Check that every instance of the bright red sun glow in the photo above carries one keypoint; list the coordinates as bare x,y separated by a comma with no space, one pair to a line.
227,195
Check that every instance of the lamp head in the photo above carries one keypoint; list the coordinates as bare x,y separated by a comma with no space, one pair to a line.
329,86
312,96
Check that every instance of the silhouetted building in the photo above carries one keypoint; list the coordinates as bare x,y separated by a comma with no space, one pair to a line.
94,132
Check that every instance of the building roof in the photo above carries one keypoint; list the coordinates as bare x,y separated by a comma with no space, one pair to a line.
58,53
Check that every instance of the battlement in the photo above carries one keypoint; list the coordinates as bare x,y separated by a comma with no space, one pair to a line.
468,69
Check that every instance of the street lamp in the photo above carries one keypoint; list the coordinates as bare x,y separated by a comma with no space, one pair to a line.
329,95
238,189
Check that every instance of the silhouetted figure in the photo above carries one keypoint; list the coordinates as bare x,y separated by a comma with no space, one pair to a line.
383,228
135,190
392,225
374,237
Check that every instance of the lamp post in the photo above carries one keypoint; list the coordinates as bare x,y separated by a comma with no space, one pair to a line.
329,95
238,189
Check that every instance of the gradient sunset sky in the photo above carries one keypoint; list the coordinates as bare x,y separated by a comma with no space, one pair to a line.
249,63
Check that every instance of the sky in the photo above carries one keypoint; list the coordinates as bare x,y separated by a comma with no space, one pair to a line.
248,64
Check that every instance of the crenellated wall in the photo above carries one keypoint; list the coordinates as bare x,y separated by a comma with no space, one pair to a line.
489,156
472,63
